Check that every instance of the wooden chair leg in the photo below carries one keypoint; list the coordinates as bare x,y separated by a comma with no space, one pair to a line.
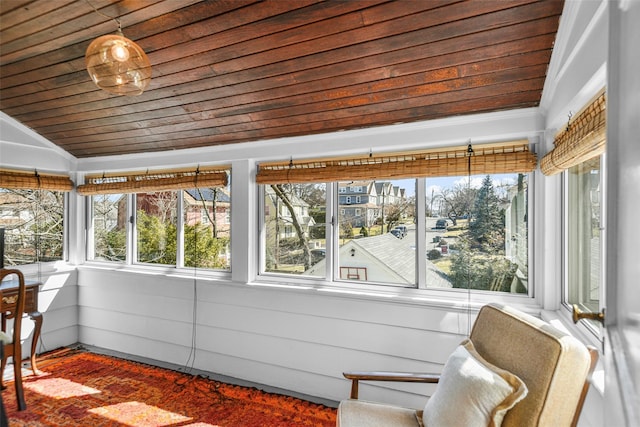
3,365
17,372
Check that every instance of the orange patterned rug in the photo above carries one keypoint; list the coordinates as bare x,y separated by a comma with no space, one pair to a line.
78,388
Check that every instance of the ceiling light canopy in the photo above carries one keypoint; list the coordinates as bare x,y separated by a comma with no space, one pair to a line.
118,65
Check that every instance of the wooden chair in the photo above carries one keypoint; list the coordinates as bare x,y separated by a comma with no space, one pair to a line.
11,342
546,373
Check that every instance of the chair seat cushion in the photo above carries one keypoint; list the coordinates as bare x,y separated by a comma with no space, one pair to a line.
358,413
472,392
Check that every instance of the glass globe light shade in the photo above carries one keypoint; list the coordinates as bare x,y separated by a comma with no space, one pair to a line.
118,65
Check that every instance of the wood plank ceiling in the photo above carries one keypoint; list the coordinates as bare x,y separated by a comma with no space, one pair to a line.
230,71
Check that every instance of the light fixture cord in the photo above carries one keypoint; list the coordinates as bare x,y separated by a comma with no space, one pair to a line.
106,16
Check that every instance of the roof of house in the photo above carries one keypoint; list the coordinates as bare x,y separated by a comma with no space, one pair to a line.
207,195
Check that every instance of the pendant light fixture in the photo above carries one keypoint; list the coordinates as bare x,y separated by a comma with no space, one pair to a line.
117,64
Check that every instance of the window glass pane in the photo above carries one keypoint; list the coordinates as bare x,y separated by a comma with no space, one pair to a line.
33,225
156,231
109,216
477,232
377,233
294,221
583,234
207,228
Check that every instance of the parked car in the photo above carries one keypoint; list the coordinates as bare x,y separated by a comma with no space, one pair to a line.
441,224
401,229
318,255
398,233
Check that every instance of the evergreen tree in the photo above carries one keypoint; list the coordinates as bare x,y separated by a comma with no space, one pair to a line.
487,229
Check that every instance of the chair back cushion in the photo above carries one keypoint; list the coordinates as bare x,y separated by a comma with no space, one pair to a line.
552,364
472,392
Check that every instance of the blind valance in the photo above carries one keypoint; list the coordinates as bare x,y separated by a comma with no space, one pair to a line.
161,180
34,181
454,161
583,139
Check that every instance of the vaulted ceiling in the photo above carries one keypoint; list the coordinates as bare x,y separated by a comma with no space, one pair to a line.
230,71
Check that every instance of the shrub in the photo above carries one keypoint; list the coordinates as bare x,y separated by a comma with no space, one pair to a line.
434,254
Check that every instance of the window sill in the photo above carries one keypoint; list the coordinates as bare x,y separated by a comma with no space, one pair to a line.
169,271
450,299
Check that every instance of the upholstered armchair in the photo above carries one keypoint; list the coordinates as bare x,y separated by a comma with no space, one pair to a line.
514,370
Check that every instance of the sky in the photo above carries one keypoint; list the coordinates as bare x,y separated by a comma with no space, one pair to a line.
436,185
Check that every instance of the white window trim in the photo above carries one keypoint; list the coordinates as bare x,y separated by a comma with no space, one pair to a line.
418,293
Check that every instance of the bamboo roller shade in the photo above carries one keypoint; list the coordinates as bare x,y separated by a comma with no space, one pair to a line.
34,181
584,139
512,158
164,180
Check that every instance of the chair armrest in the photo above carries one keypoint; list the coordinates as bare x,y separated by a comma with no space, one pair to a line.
413,377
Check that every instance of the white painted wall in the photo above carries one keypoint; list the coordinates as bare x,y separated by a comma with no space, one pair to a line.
296,339
58,302
301,338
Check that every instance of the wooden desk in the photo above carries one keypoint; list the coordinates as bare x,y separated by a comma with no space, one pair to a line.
8,300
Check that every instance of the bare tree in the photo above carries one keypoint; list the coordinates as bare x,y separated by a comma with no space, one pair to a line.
283,195
458,201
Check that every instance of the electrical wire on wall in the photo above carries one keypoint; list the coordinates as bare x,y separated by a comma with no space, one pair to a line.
191,359
469,155
38,246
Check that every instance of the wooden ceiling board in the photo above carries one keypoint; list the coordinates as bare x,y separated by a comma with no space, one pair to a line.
229,71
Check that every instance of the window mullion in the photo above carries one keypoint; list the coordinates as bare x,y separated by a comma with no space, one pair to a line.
421,239
330,230
132,241
180,244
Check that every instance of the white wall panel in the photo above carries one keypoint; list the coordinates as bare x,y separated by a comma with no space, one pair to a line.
58,303
285,338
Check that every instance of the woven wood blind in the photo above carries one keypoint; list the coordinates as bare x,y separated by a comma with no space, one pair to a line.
584,139
164,180
485,159
34,181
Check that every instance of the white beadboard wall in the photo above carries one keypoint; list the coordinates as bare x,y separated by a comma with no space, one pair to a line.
299,340
58,303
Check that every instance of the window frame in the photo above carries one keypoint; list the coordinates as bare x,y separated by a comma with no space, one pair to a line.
331,281
593,328
65,238
131,259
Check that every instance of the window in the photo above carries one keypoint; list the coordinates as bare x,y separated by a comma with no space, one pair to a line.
156,227
180,228
207,228
584,240
33,223
465,232
296,241
205,216
578,153
109,216
367,248
477,232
